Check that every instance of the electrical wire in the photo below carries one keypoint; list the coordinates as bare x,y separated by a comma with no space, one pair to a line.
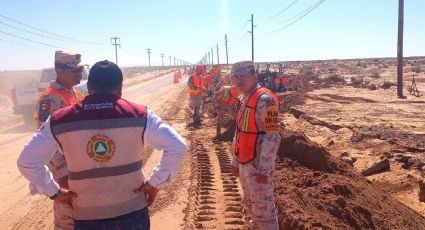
41,35
26,39
243,27
303,12
17,43
285,9
301,17
41,30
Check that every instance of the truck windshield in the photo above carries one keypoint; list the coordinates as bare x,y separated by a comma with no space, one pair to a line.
48,75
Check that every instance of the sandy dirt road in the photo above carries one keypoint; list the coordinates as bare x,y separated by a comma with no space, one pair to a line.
19,210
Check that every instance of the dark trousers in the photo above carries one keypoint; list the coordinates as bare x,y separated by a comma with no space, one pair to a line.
138,220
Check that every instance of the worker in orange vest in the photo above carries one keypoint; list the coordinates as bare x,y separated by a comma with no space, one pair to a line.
195,93
207,83
176,78
256,143
59,94
276,84
225,101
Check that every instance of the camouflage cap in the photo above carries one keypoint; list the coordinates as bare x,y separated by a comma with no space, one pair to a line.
243,68
67,59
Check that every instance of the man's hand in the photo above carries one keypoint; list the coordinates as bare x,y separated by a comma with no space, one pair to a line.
150,191
65,196
261,179
235,171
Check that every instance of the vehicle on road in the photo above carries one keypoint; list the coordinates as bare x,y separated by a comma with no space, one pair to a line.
24,97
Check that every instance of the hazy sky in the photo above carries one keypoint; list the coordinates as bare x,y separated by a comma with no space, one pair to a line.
188,29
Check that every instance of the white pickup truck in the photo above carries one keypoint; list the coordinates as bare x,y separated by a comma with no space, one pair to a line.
25,97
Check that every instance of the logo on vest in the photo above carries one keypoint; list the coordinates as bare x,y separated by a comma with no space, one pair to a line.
100,148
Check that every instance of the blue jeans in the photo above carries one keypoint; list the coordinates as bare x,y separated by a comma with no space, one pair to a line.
138,220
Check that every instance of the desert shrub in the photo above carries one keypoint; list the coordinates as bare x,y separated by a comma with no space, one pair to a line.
362,64
375,73
388,84
357,80
335,78
417,69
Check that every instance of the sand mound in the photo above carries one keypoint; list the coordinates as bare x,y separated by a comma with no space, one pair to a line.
317,191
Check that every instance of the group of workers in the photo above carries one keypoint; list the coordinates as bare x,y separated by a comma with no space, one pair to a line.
255,110
86,155
277,81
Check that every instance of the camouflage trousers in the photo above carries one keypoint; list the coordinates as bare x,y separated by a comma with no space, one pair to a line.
258,198
62,214
195,104
220,119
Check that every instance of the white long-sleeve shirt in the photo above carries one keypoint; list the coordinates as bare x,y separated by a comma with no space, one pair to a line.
158,134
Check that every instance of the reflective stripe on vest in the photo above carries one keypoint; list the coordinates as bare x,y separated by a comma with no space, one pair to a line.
63,95
247,135
197,83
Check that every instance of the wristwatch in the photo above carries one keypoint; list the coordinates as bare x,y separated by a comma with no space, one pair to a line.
54,196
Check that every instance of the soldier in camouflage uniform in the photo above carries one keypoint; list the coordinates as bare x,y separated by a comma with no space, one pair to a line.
225,101
59,94
255,145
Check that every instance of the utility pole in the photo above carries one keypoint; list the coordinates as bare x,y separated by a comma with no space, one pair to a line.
400,49
149,56
174,61
212,56
218,57
252,35
162,57
169,58
116,42
227,56
209,58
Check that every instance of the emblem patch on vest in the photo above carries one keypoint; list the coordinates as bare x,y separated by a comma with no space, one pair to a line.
100,148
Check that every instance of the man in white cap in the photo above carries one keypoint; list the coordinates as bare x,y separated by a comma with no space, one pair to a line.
255,145
59,94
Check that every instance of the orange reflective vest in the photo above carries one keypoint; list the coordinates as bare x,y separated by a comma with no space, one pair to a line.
197,82
230,97
247,135
64,96
208,80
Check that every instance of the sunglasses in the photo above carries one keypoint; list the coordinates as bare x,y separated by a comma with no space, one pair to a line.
75,70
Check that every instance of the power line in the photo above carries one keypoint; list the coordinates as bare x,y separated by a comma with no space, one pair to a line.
243,27
41,35
57,35
227,55
17,43
303,12
285,9
301,17
30,40
149,51
252,35
247,32
116,42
